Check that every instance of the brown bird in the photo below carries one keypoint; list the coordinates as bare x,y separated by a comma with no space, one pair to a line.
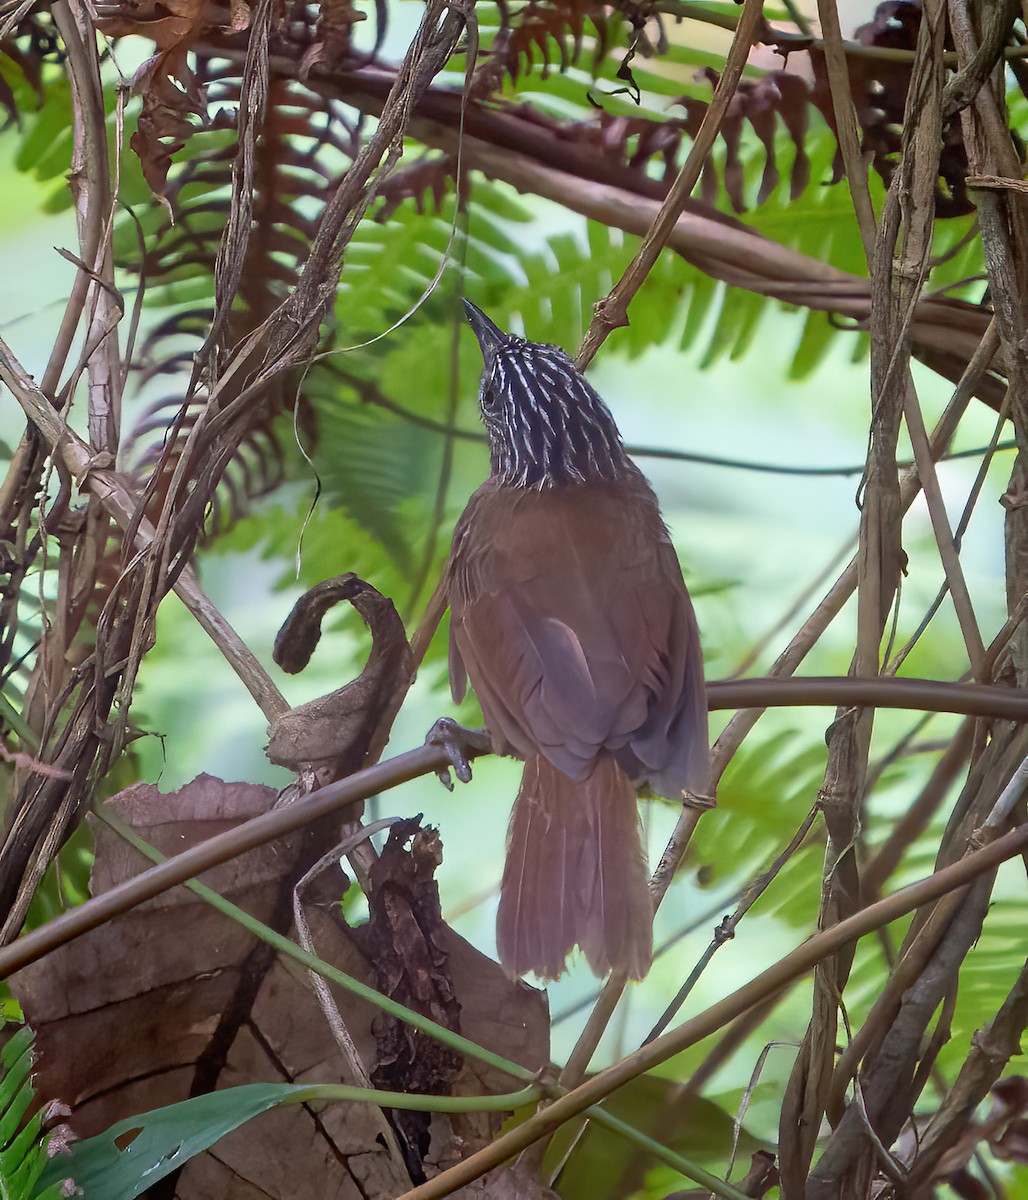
570,616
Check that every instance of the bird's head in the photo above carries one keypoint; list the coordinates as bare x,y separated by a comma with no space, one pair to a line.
546,424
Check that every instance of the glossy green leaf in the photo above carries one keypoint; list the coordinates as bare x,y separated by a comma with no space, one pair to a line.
136,1153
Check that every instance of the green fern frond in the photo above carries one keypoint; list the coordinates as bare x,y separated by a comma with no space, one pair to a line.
372,466
547,285
23,1154
763,796
986,977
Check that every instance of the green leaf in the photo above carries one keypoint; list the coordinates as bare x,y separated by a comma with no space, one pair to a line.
136,1153
23,1155
815,339
45,149
764,795
370,463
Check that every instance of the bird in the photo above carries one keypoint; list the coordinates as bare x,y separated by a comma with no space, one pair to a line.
570,617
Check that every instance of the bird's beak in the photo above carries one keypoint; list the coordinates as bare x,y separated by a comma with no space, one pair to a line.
490,336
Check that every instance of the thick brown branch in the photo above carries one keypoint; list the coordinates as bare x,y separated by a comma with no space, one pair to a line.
925,695
265,828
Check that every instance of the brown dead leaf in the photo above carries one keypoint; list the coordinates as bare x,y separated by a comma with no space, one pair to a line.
135,1003
240,15
166,23
173,1000
402,938
174,103
333,41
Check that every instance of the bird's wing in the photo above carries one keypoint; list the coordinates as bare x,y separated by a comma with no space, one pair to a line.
672,746
569,614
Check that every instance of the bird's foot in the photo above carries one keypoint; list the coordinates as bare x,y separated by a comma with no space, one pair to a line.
460,745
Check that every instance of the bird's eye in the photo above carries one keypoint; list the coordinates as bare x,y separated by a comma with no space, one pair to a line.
489,396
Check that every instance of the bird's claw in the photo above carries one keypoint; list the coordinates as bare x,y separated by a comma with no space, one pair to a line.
460,745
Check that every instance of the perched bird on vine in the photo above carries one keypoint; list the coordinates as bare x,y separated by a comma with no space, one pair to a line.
570,616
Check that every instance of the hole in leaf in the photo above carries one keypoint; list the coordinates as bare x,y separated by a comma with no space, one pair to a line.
124,1140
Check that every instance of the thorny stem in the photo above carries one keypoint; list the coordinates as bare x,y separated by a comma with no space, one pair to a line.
989,659
726,930
948,551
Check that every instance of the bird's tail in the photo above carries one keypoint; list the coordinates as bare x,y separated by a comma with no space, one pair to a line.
575,875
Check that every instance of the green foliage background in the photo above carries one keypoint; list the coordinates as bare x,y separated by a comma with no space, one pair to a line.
703,369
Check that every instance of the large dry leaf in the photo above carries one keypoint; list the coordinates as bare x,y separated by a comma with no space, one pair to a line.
173,999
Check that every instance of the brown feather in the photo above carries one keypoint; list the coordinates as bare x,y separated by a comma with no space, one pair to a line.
569,613
575,875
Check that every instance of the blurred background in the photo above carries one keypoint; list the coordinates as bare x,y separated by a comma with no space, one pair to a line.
730,380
